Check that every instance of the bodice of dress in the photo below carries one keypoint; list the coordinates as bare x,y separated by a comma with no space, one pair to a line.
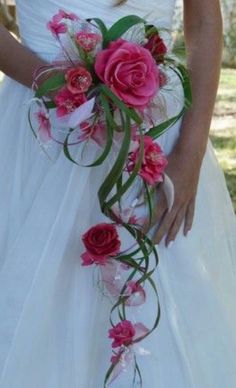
33,16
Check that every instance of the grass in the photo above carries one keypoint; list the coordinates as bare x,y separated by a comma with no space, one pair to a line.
223,129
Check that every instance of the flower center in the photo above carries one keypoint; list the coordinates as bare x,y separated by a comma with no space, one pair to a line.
153,156
70,106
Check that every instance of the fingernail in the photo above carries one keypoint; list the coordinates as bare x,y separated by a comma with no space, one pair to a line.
169,244
186,232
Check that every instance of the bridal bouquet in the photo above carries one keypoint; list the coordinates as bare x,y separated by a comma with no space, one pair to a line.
102,90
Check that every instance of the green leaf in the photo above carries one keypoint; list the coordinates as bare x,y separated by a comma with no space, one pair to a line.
66,148
132,263
53,83
121,26
149,202
182,72
101,26
110,129
117,169
30,123
119,183
150,29
50,104
108,375
130,254
120,104
183,75
159,129
131,178
137,369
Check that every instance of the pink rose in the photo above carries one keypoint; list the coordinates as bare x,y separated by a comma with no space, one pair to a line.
157,47
78,79
67,102
57,28
125,333
130,71
101,242
87,40
122,334
154,161
44,129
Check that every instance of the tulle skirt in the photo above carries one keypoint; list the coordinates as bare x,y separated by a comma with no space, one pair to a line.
54,319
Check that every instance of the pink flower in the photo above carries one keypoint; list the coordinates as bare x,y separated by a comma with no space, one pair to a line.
101,242
85,128
136,292
87,40
122,334
67,102
130,71
116,357
57,28
132,287
64,15
78,79
157,47
121,361
154,161
44,129
133,220
96,132
89,259
162,79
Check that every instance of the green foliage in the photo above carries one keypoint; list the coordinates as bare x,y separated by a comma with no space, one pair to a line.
229,16
229,12
223,132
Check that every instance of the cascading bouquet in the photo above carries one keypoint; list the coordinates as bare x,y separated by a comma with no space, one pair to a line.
103,92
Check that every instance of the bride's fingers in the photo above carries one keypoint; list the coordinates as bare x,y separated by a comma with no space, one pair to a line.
189,217
174,229
164,226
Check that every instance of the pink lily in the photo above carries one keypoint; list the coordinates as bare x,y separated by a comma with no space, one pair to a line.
44,129
57,28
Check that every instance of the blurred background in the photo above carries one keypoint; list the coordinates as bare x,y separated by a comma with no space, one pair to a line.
223,128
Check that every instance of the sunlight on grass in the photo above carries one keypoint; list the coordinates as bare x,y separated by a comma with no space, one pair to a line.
223,131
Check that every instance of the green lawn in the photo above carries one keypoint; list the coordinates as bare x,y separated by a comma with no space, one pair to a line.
223,132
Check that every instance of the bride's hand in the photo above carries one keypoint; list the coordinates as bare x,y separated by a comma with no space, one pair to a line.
183,169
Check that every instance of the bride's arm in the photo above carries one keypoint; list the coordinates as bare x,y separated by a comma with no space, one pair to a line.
203,35
17,61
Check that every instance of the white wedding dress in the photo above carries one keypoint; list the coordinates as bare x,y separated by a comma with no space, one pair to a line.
53,318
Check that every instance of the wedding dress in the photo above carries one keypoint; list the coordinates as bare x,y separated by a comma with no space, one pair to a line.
54,319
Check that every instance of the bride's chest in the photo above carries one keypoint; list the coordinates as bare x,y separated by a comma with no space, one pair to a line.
155,10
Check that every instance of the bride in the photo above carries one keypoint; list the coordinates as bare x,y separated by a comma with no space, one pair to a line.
54,322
